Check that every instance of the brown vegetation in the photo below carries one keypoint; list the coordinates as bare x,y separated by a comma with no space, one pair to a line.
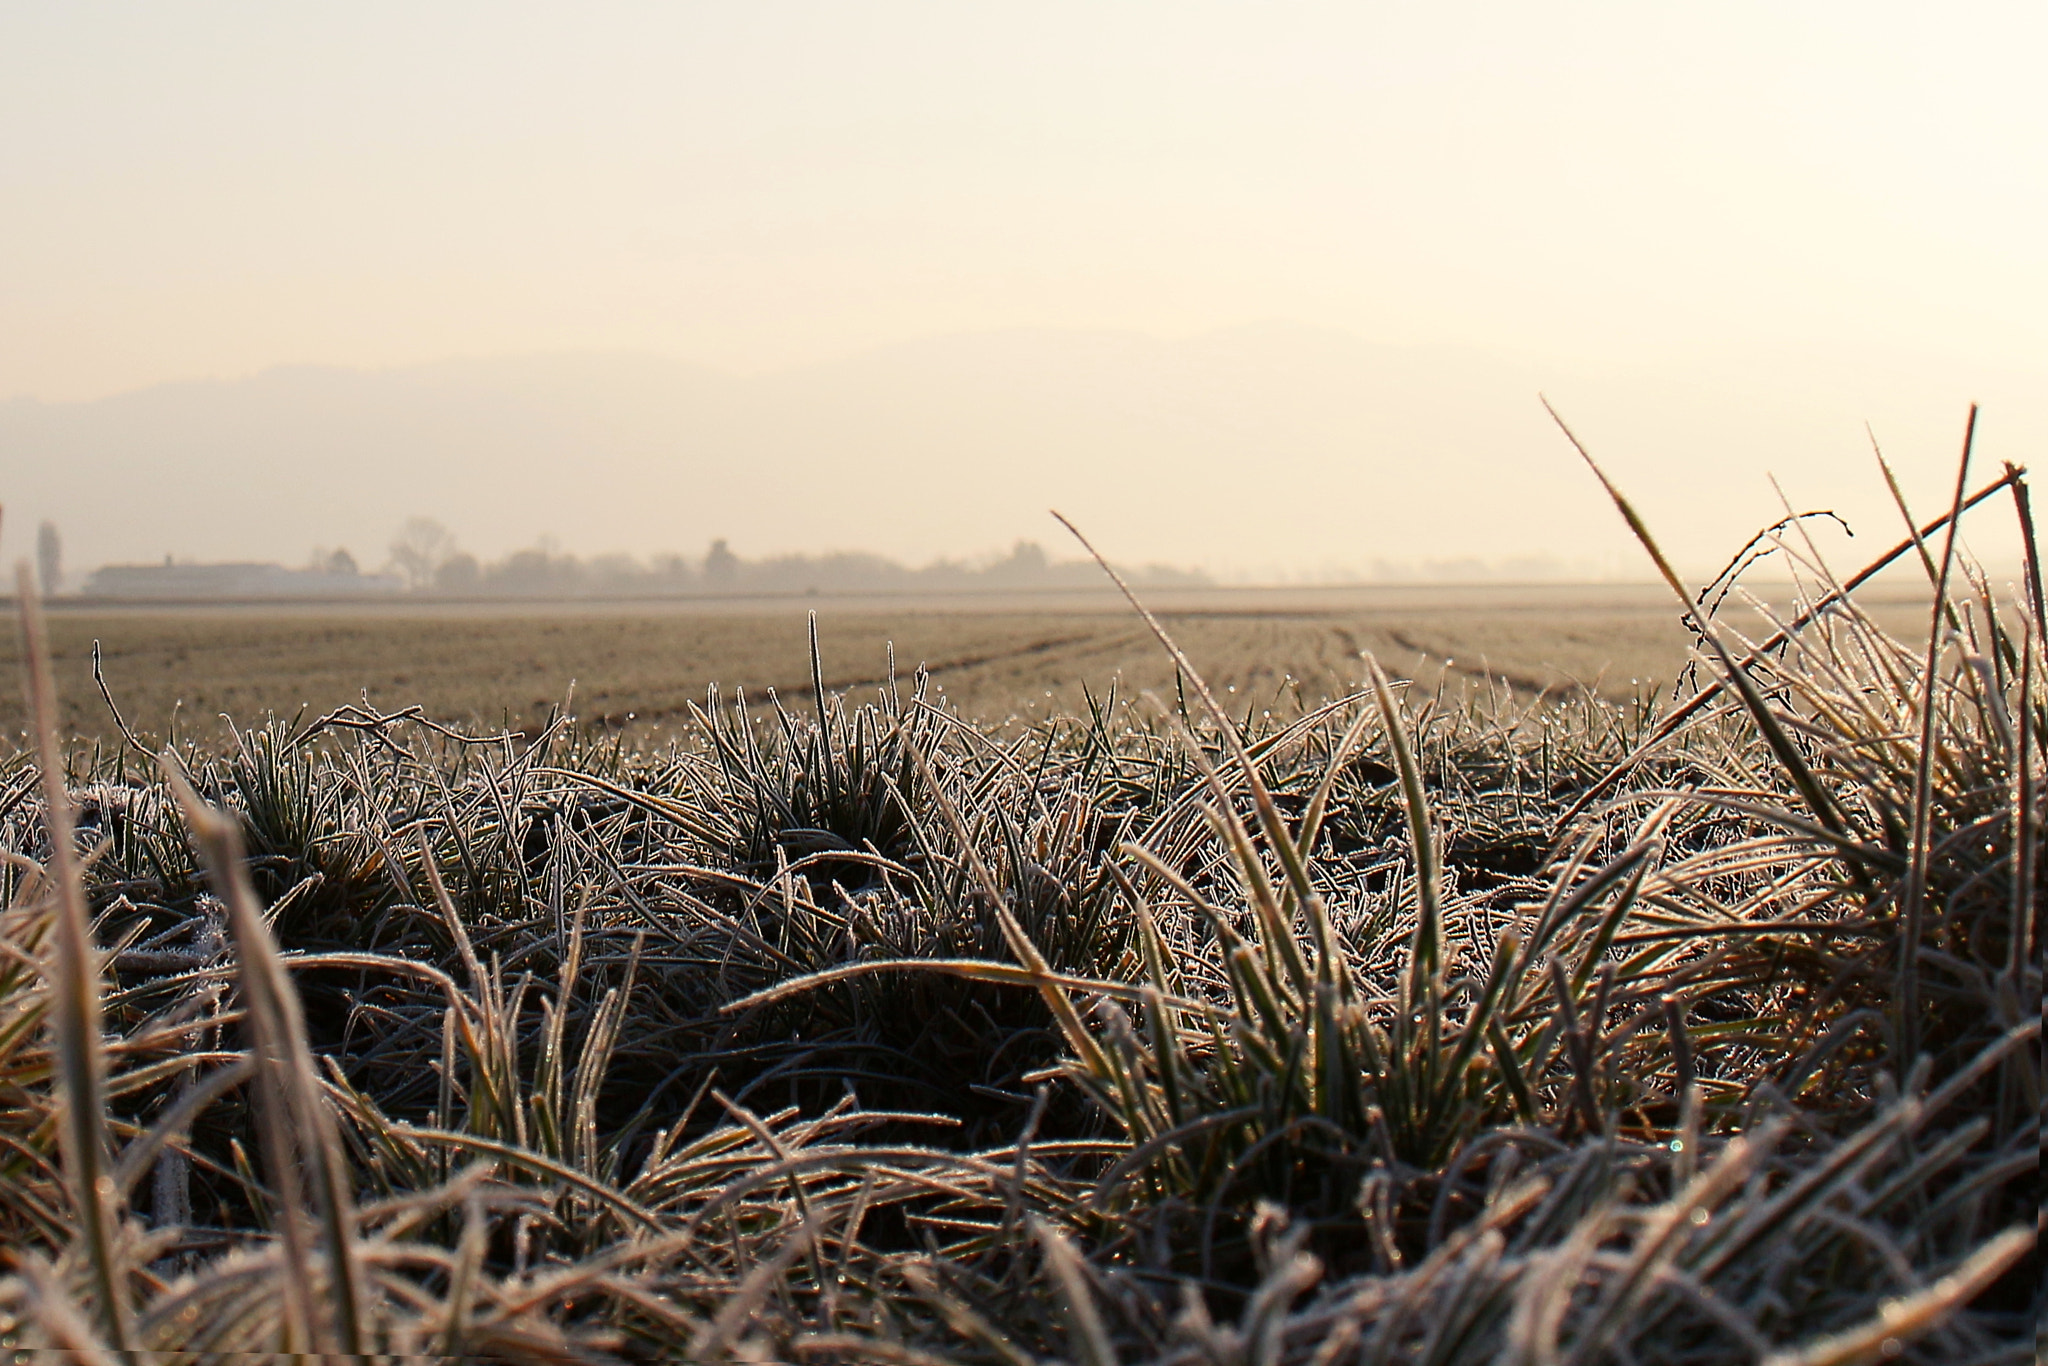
1428,1027
639,667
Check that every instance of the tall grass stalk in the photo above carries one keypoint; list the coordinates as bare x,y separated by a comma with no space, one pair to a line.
1915,896
74,976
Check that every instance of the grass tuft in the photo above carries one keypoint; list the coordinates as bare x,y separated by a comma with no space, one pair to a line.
1425,1027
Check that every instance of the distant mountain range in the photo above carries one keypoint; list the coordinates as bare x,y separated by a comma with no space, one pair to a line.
1261,450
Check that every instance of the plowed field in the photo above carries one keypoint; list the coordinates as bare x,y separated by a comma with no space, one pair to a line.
639,665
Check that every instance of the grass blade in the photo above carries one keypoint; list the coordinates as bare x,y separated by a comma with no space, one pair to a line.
74,978
1923,781
1426,963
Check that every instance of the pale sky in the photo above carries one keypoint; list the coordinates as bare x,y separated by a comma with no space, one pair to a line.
1836,212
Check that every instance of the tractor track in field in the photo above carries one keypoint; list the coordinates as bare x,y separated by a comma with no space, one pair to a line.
1102,640
1521,683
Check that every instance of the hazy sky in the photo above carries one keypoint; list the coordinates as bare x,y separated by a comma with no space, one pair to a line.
1841,206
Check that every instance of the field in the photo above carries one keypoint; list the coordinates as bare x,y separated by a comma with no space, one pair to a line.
1535,1014
637,667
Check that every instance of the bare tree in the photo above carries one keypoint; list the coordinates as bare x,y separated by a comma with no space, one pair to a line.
49,558
420,548
459,573
721,566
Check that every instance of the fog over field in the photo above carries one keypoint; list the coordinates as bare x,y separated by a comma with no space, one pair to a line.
1264,452
1268,295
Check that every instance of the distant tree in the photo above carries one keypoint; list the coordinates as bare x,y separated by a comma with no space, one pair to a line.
459,573
1027,562
616,573
672,572
342,563
49,558
536,572
419,550
721,566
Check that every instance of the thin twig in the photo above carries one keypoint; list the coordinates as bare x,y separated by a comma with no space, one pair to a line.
107,695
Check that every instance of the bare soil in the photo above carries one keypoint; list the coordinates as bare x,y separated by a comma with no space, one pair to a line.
637,665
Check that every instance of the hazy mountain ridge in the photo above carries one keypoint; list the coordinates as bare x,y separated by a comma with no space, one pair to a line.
1273,448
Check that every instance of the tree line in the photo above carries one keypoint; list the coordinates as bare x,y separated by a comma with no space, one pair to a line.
426,555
